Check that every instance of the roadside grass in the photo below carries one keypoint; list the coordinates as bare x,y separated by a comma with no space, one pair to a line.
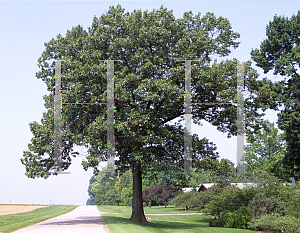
118,222
12,222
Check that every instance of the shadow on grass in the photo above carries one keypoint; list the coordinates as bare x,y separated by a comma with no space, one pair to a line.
167,225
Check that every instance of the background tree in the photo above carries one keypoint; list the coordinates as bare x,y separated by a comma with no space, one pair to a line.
266,153
161,192
201,177
125,188
91,199
219,170
280,52
165,192
148,195
102,191
106,195
149,93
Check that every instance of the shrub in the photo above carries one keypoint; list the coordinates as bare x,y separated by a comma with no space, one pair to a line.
262,205
268,184
186,200
291,196
237,219
242,218
275,222
229,219
217,222
231,199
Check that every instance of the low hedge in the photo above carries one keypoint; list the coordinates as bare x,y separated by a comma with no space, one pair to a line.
275,222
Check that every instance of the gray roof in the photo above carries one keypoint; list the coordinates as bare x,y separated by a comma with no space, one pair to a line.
242,185
239,185
187,190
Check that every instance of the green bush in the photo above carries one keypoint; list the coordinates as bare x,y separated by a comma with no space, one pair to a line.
268,184
216,199
262,205
275,222
291,196
217,222
231,199
229,219
187,201
237,219
242,218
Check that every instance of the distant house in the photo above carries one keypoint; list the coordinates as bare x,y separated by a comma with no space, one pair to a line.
203,187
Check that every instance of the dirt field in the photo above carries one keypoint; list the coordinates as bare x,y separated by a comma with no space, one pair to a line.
18,208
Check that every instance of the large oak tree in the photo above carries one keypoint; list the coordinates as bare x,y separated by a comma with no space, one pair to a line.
149,93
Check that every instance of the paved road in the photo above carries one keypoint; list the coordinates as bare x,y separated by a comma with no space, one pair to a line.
83,219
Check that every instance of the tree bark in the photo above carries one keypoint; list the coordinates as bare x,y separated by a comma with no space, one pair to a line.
137,214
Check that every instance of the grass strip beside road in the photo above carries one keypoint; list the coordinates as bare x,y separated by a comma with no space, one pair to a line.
12,222
117,221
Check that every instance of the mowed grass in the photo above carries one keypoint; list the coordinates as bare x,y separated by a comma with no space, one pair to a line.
147,210
117,221
12,222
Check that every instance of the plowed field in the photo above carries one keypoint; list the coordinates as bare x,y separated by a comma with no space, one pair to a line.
18,208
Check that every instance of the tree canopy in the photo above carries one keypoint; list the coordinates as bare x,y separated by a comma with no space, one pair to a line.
280,52
266,153
149,92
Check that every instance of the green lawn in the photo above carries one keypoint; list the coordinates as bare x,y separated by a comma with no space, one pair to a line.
12,222
147,210
117,221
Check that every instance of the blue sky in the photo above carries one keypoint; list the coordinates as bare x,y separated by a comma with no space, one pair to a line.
26,25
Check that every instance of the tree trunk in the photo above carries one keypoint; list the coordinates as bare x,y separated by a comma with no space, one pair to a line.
137,214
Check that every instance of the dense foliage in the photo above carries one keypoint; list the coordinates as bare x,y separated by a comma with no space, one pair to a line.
149,93
102,191
276,223
105,187
160,193
280,53
266,152
236,219
234,207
